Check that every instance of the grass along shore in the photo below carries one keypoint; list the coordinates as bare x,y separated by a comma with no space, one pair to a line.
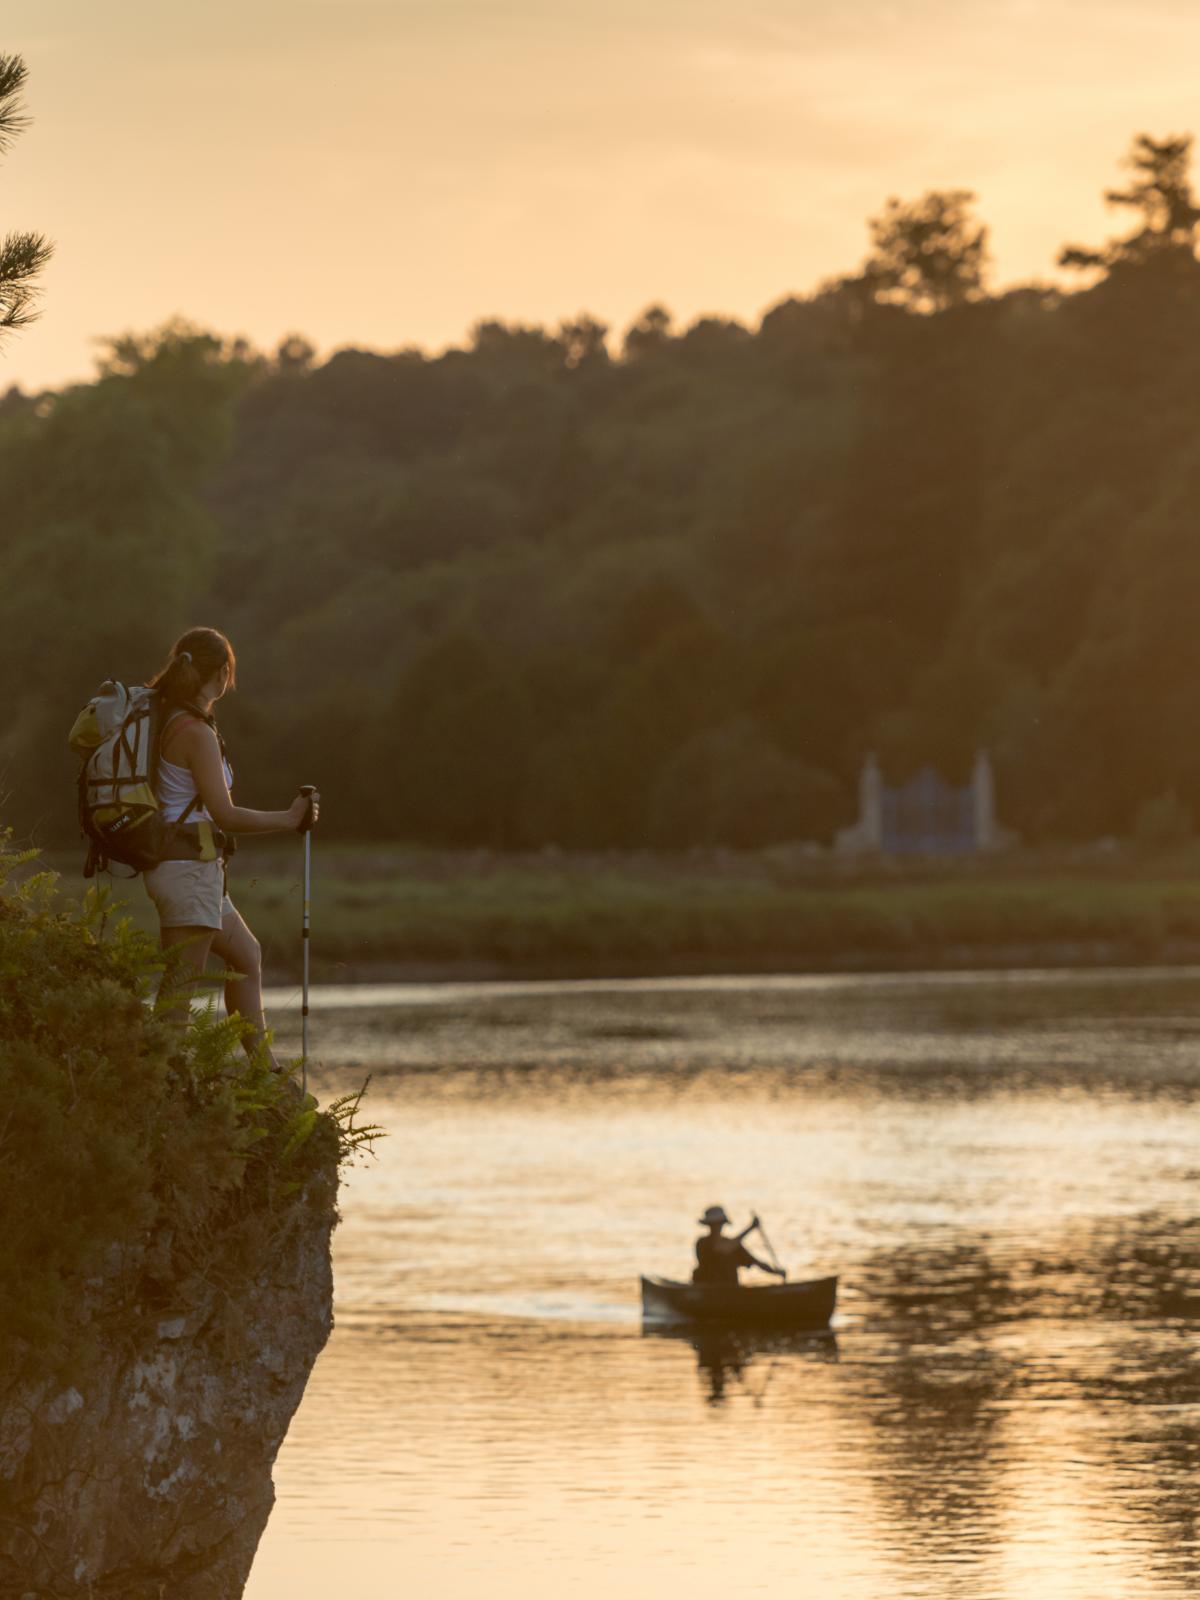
386,912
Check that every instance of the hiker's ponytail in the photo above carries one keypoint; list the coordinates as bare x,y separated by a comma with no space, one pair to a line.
197,657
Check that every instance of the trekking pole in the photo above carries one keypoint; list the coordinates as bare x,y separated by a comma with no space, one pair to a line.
306,829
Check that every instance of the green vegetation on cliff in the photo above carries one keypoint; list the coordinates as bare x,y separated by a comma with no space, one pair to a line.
131,1147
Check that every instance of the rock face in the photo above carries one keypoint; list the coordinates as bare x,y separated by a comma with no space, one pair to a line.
147,1475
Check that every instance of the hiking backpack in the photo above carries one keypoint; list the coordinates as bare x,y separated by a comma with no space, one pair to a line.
116,738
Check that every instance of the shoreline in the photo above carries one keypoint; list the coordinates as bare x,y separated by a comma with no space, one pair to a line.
386,914
1096,955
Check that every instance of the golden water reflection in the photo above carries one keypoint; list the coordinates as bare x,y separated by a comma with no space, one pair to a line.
1009,1404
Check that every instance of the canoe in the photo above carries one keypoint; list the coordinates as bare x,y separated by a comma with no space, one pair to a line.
776,1305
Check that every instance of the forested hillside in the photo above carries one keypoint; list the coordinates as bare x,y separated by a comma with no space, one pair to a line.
663,590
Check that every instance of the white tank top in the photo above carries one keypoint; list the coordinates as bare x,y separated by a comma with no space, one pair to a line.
176,788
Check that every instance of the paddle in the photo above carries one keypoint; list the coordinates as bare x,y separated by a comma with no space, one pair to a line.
770,1248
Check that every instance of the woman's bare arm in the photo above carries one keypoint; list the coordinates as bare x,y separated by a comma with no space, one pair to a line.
196,747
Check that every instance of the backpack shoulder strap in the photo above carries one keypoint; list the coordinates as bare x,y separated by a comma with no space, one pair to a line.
175,719
194,714
211,721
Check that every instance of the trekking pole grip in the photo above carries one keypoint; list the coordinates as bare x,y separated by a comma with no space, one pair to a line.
307,789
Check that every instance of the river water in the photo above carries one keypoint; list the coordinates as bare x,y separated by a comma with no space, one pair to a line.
1003,1170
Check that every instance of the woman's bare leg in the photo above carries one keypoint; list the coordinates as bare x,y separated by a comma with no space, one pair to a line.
196,943
237,947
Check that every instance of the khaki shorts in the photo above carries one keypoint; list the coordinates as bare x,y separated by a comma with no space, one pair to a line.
189,894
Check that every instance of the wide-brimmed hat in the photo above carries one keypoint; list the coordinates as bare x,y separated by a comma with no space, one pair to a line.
714,1214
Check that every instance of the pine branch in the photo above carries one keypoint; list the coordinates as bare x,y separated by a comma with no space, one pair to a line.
12,117
22,257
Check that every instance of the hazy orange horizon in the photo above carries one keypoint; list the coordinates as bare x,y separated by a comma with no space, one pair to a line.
387,172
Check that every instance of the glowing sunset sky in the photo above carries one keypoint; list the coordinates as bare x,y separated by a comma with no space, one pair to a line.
385,172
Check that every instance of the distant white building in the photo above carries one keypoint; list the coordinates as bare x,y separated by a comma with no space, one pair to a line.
925,816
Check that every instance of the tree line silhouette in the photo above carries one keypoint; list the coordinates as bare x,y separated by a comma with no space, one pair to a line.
537,590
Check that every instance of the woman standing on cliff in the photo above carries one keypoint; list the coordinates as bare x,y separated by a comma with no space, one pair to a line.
194,779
